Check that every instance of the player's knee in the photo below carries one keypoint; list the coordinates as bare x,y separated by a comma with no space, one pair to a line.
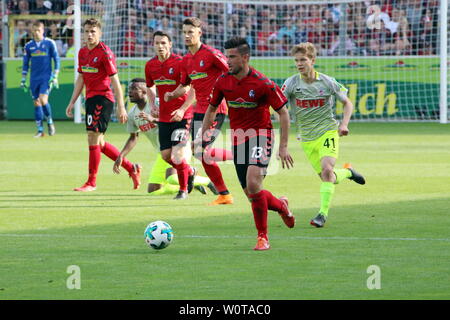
43,100
327,173
37,103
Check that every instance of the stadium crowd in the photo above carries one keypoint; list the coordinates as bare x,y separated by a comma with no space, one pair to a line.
383,27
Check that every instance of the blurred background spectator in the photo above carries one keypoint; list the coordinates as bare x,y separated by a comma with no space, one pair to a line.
382,27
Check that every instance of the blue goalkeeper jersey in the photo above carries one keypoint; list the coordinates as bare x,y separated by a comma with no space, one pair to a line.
41,55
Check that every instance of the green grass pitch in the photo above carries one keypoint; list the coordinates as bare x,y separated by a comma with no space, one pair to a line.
398,221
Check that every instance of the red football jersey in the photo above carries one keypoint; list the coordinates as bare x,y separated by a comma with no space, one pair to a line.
248,102
167,75
96,66
203,68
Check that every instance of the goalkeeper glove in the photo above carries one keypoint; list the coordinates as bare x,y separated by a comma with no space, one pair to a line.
53,82
23,84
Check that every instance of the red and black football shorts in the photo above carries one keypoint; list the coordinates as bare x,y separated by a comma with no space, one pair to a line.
256,151
173,133
98,113
213,134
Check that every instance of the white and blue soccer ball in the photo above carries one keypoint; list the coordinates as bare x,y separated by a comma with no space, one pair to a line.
158,235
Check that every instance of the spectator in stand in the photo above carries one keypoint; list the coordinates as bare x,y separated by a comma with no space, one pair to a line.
243,33
21,36
360,35
23,7
129,44
41,7
53,33
414,16
426,33
288,29
263,39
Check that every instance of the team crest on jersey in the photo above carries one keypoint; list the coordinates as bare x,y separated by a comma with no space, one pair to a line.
202,63
171,71
251,93
95,60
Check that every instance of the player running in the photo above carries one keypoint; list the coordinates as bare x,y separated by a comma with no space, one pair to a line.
312,95
165,72
97,71
203,65
41,51
249,95
163,179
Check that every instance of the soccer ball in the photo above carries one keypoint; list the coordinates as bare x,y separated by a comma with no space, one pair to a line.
158,235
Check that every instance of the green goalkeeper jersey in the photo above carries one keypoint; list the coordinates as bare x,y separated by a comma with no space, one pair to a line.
312,104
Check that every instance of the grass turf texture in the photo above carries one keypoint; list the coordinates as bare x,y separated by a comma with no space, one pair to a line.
399,221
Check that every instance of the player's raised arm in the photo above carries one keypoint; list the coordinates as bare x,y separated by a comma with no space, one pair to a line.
121,112
79,84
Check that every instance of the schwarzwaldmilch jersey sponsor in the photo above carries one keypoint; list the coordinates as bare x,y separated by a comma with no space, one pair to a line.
248,100
97,66
166,76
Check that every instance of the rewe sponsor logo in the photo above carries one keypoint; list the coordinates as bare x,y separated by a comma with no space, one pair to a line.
310,103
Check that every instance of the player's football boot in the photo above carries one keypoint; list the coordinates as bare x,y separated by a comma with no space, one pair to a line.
223,199
51,129
39,134
181,195
201,189
212,188
262,244
318,221
357,177
85,188
286,214
136,176
190,182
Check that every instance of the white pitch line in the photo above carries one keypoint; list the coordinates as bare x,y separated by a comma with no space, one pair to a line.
50,235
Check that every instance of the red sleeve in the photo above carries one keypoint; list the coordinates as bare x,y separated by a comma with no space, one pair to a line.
109,62
275,96
220,61
148,76
216,94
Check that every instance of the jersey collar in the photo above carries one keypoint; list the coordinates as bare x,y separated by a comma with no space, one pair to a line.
316,76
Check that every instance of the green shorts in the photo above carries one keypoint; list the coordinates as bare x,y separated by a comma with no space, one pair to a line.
325,146
158,173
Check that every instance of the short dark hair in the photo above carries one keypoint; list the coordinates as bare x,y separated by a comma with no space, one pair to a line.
193,21
38,24
93,23
137,80
162,34
239,43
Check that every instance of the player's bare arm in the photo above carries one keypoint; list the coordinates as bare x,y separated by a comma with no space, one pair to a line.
148,117
347,113
121,112
283,153
151,95
178,92
79,84
129,145
178,114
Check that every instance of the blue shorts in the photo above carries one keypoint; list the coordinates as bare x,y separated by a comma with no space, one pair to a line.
39,87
